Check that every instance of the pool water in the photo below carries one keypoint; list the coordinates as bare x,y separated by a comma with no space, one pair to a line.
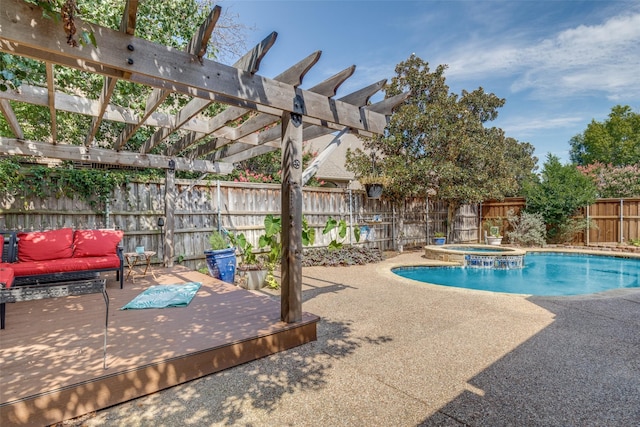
543,274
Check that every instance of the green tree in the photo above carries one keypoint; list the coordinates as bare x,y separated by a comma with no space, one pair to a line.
437,143
614,181
557,196
615,141
170,23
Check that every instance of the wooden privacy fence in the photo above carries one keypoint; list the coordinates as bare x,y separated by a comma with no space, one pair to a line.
203,206
612,220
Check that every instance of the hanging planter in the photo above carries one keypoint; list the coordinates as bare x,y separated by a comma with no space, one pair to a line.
374,191
373,181
374,185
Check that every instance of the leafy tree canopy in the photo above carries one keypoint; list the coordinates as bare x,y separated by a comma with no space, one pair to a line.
614,181
437,143
558,194
615,141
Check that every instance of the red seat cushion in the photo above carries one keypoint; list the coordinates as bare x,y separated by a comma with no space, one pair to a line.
45,245
6,277
65,265
91,243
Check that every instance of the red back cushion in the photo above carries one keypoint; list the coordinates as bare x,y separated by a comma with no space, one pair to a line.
96,242
45,245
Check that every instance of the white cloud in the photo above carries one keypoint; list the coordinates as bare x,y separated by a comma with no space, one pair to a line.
582,60
524,126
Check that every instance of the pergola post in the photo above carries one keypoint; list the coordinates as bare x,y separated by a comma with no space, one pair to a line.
291,293
169,209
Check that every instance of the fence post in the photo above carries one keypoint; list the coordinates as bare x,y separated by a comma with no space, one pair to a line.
169,214
588,231
621,221
106,214
426,222
350,218
219,201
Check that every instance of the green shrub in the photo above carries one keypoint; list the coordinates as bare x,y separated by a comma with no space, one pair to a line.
561,191
572,226
528,229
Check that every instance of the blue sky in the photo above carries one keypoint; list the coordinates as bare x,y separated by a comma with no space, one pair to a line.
559,64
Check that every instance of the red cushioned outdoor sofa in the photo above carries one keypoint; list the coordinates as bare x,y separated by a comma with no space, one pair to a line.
41,257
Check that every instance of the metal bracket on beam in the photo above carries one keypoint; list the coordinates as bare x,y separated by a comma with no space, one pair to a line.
298,110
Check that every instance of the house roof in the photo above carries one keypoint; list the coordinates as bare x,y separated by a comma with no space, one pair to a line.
333,169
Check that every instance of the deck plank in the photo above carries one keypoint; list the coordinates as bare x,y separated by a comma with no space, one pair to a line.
51,350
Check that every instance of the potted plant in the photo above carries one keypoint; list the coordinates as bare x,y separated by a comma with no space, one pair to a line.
439,238
374,184
221,258
271,240
252,269
492,235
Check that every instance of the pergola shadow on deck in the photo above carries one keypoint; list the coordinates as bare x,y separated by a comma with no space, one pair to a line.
52,350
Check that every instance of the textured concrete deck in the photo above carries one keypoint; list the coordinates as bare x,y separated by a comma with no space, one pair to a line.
393,352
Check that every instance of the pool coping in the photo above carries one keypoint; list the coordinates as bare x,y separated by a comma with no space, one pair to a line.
446,253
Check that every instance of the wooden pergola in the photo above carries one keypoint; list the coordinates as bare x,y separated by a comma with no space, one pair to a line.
284,113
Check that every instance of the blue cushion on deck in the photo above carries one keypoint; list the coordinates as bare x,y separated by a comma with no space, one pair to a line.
162,296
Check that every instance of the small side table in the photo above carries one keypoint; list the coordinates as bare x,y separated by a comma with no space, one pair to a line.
133,258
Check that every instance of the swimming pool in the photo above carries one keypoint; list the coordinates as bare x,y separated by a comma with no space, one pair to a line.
544,273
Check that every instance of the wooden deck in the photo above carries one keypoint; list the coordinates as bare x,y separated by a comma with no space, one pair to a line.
51,352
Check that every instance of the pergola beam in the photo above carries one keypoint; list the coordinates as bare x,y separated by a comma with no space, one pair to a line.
328,88
292,75
78,105
251,60
242,150
81,153
157,96
198,44
167,68
129,17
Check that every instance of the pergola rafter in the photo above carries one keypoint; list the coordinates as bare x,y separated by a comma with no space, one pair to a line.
266,141
128,26
245,135
119,55
249,62
197,46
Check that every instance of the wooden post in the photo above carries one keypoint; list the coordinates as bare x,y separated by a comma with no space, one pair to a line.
169,209
291,293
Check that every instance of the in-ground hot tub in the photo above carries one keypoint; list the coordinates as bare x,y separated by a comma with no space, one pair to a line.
478,256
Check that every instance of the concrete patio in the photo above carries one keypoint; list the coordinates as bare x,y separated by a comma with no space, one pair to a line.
393,352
